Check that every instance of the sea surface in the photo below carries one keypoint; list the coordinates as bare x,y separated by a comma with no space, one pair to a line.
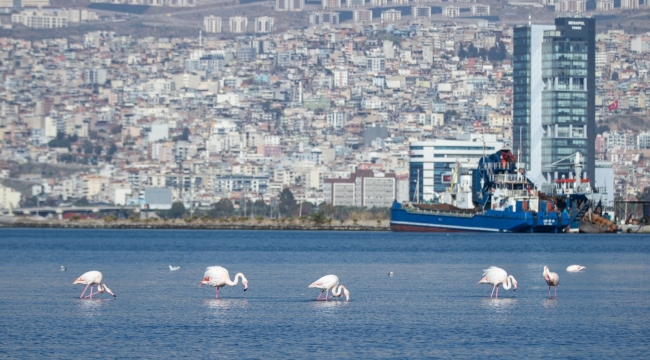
432,307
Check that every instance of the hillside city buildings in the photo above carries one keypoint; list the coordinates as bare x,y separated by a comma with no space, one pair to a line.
349,113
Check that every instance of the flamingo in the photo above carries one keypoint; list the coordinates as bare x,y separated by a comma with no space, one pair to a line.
217,277
173,268
552,279
495,276
92,278
575,268
327,283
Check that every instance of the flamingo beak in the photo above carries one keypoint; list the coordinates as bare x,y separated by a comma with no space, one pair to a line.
204,281
245,287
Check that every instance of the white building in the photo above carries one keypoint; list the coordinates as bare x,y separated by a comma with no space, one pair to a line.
340,77
264,24
421,12
432,163
391,15
238,24
605,5
9,198
356,3
331,4
362,16
324,17
289,5
379,2
376,63
480,10
212,24
452,11
571,6
42,18
630,4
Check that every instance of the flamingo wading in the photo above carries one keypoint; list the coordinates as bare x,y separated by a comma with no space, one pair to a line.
496,276
92,278
327,283
552,279
218,277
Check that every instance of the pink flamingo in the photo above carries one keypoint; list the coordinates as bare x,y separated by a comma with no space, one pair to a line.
92,278
217,277
552,279
495,276
327,283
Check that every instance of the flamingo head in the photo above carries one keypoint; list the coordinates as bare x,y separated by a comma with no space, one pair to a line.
205,281
346,293
514,284
103,287
245,282
545,273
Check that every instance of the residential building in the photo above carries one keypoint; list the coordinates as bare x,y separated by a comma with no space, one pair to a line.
391,15
366,188
452,11
480,10
331,4
362,16
212,24
264,24
421,12
323,17
289,5
238,24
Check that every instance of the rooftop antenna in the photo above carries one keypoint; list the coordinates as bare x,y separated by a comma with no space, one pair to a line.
200,42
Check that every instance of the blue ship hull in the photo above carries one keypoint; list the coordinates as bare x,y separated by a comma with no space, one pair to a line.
413,220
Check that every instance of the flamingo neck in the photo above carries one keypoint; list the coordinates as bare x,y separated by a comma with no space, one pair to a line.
336,291
236,281
508,284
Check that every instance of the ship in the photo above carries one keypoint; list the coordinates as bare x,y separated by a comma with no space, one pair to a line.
495,197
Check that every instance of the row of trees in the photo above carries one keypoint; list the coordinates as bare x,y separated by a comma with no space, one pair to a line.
285,207
496,53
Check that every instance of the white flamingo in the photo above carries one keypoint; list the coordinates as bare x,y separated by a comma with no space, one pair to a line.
495,276
552,279
217,277
575,268
92,278
327,283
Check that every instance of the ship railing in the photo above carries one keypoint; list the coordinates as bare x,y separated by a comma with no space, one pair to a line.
516,193
438,212
510,178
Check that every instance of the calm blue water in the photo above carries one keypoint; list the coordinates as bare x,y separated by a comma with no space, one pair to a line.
431,308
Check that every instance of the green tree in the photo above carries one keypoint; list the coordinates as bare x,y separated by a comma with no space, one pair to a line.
177,211
112,150
223,208
88,147
82,202
287,204
644,195
98,150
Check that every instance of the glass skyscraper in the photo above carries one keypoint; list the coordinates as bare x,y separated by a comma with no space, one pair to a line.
554,96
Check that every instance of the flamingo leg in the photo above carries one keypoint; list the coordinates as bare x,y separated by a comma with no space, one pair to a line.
217,291
319,295
83,292
497,291
549,291
556,292
91,291
327,294
492,293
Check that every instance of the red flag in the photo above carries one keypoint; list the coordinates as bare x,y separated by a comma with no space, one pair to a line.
613,106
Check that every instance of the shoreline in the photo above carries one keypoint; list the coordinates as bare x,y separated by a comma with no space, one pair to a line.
177,225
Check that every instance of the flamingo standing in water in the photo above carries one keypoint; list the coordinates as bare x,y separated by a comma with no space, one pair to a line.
575,268
327,283
92,278
552,279
495,276
217,277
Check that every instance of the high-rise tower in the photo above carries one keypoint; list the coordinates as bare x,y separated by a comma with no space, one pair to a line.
554,96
